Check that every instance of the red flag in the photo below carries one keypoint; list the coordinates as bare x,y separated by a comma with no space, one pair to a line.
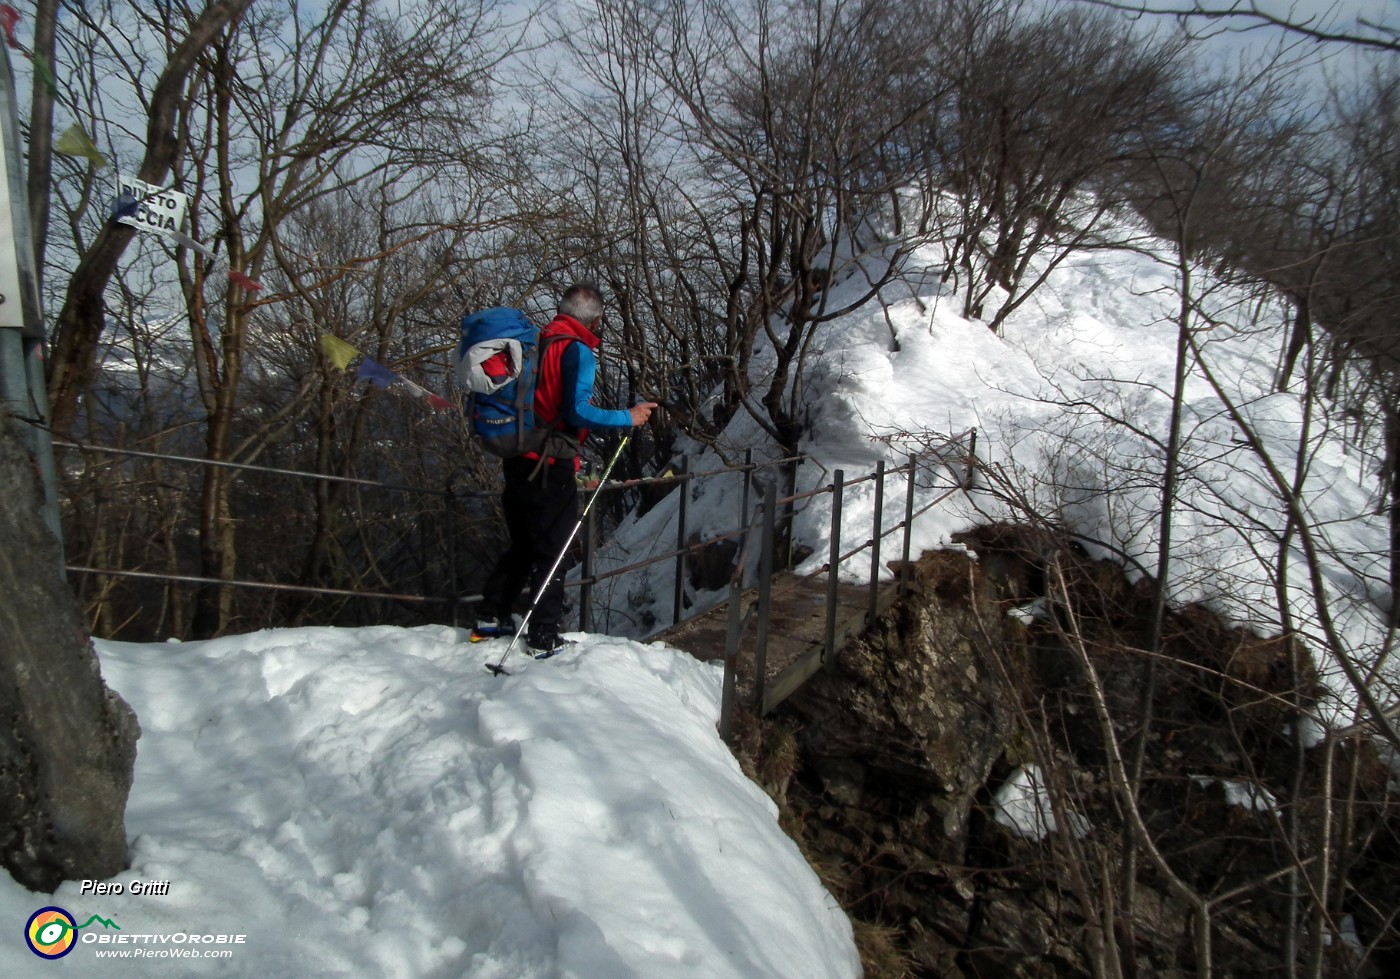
9,17
239,278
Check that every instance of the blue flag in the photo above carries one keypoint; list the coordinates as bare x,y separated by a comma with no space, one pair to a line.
375,373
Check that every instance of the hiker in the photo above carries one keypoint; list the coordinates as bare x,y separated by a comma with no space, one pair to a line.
541,493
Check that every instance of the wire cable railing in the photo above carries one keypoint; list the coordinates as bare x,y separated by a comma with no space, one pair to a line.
957,453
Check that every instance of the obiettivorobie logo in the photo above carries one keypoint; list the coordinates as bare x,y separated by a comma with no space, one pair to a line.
51,932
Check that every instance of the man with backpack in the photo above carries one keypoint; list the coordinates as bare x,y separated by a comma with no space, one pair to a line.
541,493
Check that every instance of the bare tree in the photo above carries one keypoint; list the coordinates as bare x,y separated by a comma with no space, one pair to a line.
1326,25
373,108
773,130
1050,116
80,322
347,115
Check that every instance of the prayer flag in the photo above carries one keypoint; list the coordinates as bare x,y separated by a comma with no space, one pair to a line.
239,278
125,206
9,17
75,142
375,373
41,68
337,351
183,239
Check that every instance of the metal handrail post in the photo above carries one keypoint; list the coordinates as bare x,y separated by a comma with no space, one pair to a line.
875,543
833,575
748,473
678,593
789,514
730,683
765,593
744,510
908,528
450,531
585,591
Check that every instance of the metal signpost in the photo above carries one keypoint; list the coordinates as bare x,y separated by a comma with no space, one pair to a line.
22,389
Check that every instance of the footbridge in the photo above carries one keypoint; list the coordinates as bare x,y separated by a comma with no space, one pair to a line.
776,628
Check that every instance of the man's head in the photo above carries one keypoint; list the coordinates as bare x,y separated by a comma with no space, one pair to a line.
583,302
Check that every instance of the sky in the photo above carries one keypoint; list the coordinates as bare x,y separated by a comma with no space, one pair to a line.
373,802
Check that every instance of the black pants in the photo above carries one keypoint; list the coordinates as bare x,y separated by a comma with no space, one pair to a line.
540,516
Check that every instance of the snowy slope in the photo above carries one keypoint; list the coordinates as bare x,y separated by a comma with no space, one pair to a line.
1072,408
373,802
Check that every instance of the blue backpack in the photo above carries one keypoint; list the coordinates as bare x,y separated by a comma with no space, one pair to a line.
498,363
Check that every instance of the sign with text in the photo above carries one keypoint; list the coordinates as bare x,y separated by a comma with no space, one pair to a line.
148,207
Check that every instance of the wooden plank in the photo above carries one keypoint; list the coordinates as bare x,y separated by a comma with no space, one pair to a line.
791,679
807,665
795,634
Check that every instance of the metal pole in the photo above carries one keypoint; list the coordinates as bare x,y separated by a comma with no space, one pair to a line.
875,544
908,529
744,511
585,591
833,575
789,514
451,555
971,460
748,473
678,594
731,661
765,592
22,388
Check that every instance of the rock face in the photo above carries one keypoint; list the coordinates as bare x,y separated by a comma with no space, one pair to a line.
67,742
904,752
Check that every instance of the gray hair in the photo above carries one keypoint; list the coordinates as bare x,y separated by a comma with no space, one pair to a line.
583,302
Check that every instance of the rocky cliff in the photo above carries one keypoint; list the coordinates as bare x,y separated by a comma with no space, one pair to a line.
1004,778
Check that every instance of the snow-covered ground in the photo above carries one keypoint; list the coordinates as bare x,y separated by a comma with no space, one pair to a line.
375,803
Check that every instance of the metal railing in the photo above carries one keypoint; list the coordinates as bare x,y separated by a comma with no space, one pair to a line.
768,695
589,577
957,454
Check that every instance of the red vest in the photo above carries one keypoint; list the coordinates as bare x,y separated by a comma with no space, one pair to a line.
549,386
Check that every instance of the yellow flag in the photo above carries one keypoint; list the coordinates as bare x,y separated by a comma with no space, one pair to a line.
75,142
337,351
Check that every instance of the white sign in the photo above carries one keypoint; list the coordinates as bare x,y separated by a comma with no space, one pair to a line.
156,208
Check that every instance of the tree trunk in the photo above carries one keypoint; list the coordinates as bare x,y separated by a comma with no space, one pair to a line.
68,742
1298,338
41,136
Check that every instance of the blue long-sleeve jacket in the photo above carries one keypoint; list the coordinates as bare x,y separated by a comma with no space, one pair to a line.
578,367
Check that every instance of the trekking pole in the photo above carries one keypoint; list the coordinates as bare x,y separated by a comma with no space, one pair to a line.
497,668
